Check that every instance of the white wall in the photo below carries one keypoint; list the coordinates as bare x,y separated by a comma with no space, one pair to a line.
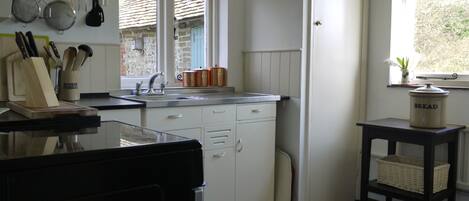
273,24
385,102
108,33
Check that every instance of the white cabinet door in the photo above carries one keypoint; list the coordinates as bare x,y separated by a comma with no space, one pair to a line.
219,173
130,116
255,161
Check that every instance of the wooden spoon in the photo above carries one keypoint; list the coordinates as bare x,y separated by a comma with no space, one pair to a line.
69,56
84,52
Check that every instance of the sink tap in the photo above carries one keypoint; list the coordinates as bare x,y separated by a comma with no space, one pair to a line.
151,90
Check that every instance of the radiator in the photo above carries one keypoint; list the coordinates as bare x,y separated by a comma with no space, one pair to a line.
463,176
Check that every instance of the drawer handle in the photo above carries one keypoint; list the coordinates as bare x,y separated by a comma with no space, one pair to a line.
256,110
219,155
239,146
218,111
176,116
219,143
219,137
220,131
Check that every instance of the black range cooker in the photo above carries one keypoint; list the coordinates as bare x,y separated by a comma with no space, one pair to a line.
112,162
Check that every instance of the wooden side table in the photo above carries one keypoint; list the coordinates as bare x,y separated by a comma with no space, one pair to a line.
398,130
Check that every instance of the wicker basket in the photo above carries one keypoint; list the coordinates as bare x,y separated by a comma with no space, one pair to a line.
407,174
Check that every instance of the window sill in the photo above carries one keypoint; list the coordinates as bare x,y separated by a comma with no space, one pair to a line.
413,86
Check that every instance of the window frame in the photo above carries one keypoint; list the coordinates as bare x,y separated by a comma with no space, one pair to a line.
165,43
402,10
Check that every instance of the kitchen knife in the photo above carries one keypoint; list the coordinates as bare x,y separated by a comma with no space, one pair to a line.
54,49
21,45
32,44
26,44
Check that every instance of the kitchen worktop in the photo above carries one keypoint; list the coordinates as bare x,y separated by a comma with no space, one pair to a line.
114,161
11,121
109,135
103,101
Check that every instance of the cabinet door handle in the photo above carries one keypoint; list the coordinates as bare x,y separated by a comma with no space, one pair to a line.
176,116
219,155
256,110
218,111
239,146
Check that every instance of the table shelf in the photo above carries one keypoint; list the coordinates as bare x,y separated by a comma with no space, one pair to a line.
386,190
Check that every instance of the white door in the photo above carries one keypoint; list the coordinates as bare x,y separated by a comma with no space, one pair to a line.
219,175
333,99
255,161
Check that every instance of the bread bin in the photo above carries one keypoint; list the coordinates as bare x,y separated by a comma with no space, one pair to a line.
428,107
218,76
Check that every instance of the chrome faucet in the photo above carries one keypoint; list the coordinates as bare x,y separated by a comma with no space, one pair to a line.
151,90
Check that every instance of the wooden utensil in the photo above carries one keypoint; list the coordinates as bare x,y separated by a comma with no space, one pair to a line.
84,52
69,58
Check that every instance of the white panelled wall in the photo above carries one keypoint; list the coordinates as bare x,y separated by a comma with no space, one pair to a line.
273,72
101,72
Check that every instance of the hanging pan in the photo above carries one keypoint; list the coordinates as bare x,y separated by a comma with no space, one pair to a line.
59,15
25,11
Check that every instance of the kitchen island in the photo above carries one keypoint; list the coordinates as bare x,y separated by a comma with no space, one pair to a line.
114,161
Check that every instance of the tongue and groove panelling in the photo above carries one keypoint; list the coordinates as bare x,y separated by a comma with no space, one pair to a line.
273,72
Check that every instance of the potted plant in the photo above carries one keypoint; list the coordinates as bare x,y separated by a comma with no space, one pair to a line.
403,64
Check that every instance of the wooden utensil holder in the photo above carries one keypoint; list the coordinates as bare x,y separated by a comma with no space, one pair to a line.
69,90
39,89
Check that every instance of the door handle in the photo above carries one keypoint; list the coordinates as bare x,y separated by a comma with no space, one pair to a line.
219,155
239,146
256,110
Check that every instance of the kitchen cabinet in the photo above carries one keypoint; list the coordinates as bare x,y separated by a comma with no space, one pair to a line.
130,116
219,172
238,143
255,159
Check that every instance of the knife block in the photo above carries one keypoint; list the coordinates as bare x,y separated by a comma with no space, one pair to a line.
39,89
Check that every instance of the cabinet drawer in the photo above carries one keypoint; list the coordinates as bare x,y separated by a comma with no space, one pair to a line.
256,111
219,136
173,118
219,113
193,133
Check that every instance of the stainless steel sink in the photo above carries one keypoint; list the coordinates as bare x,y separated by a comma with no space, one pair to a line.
197,97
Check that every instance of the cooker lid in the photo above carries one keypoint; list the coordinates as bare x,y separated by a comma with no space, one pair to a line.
429,89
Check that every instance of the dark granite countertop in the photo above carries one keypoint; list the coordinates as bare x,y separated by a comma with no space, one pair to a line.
109,135
103,101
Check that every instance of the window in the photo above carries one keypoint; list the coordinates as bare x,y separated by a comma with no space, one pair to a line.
145,44
434,34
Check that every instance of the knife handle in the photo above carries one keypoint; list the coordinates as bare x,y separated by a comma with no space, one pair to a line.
21,45
26,44
54,49
32,43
